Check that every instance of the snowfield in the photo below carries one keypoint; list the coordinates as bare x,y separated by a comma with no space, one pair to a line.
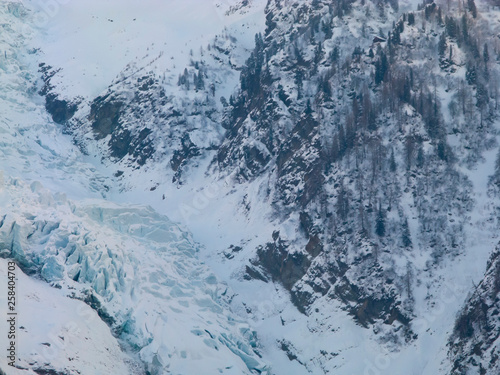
57,332
137,269
93,41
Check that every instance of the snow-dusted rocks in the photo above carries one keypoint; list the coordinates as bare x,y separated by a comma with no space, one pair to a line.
475,344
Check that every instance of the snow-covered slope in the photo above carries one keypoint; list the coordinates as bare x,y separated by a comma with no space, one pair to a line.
160,309
93,41
56,332
137,269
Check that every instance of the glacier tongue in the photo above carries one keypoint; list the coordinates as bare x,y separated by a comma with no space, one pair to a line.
134,267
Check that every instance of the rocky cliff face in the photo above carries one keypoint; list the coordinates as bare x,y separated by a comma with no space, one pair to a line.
352,138
474,344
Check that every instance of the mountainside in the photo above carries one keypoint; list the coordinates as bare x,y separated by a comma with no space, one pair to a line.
336,163
125,280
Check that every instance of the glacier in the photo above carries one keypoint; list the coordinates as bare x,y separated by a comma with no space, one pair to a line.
137,269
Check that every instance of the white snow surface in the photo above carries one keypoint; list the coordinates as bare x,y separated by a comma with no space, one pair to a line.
66,333
92,41
141,268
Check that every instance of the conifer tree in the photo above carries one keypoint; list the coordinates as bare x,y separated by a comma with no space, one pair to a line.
380,224
405,234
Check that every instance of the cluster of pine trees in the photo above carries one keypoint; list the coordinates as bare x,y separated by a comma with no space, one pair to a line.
194,80
361,133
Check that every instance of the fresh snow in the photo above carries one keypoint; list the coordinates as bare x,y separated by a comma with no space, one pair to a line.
60,332
93,41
